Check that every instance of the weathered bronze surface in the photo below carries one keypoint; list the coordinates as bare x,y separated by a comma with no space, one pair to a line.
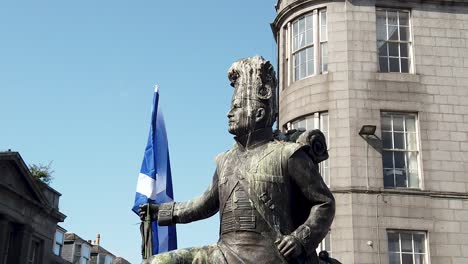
274,206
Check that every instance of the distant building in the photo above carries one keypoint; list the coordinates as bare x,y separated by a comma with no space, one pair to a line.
29,214
76,249
120,260
100,255
401,187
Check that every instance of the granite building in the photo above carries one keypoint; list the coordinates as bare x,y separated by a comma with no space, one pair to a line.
29,215
387,82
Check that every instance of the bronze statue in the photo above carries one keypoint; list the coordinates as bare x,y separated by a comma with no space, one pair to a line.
274,206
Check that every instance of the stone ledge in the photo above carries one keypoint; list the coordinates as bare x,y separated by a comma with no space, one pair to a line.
402,191
397,77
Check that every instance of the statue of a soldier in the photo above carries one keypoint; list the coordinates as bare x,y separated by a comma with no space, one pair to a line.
274,206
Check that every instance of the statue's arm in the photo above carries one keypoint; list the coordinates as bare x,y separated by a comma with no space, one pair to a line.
198,208
306,176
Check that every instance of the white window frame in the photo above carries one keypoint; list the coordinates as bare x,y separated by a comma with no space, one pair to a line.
323,40
387,41
405,150
320,42
58,243
317,120
85,258
400,251
325,245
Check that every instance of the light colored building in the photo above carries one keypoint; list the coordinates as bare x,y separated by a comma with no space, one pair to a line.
401,66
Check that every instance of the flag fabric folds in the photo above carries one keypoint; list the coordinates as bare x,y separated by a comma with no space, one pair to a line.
154,180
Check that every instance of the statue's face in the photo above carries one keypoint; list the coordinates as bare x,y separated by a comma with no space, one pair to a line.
241,117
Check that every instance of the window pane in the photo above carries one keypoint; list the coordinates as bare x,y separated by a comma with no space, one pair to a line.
399,157
301,25
296,73
310,67
404,50
404,33
398,123
389,178
387,140
392,17
324,53
394,65
381,32
386,123
383,64
393,242
400,178
382,46
309,37
393,49
404,18
323,17
413,178
295,40
295,28
302,65
394,258
301,40
406,242
309,22
410,123
392,32
411,141
407,259
399,140
387,157
381,17
309,53
419,259
404,65
419,243
56,249
59,237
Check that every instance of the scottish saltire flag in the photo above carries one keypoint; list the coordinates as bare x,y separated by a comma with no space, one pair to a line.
154,181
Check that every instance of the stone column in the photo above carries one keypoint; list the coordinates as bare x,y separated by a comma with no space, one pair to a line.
4,230
24,242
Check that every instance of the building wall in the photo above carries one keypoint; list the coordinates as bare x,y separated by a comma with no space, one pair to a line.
354,93
25,213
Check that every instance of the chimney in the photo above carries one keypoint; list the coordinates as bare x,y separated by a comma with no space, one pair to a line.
98,239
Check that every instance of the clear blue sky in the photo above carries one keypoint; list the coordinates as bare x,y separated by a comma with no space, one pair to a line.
76,81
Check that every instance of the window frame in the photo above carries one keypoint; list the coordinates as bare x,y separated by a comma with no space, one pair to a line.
325,244
85,258
316,46
400,251
60,245
317,122
409,41
405,150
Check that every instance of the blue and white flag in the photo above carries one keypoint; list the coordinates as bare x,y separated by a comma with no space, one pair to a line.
154,181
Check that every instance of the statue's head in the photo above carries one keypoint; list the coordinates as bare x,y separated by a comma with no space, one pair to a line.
253,104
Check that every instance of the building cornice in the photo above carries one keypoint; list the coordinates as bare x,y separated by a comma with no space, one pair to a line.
402,191
283,13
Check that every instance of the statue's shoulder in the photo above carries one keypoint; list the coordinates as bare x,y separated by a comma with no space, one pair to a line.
284,149
219,159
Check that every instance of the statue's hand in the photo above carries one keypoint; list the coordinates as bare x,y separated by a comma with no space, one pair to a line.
290,247
153,211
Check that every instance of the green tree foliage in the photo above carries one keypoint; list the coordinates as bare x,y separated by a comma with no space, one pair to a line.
42,172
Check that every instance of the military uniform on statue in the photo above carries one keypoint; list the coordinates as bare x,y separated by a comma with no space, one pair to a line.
274,206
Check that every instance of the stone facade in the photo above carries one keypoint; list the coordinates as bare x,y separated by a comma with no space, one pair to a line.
29,214
355,93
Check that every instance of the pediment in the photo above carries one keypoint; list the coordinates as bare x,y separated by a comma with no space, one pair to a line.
16,178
